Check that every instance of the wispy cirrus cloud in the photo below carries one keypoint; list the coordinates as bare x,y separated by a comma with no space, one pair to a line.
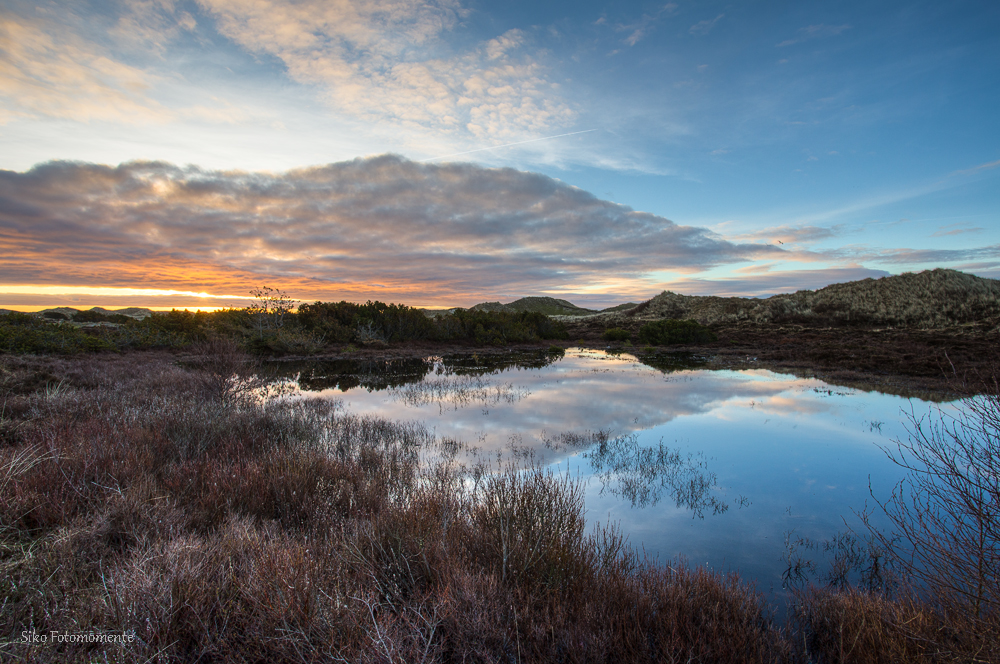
638,30
930,256
762,282
380,227
814,32
981,167
956,230
789,234
702,28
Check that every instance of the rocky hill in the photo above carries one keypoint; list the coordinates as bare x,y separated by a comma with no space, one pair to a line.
931,299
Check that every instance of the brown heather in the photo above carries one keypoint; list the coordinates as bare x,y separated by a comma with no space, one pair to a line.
141,496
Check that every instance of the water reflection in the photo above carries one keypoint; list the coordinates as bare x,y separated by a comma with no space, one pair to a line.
658,440
642,474
454,392
383,374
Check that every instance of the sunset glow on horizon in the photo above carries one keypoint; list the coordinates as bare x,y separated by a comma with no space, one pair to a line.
182,153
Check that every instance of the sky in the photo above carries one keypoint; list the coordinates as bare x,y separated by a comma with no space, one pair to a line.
443,152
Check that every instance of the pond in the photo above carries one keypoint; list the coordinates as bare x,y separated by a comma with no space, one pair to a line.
721,468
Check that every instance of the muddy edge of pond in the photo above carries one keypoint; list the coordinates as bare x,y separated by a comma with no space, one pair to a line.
929,364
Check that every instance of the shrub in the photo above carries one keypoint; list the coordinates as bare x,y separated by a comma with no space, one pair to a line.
342,322
191,325
531,525
498,328
671,331
25,333
617,334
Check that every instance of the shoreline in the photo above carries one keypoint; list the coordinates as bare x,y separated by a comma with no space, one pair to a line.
936,365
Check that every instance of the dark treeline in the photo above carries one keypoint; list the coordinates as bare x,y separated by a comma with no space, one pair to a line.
271,327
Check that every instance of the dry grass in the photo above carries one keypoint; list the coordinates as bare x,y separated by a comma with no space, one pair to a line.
857,626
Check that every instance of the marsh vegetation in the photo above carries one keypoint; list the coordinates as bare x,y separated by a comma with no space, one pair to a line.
216,522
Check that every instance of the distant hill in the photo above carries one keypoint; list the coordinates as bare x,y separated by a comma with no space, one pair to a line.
549,306
134,312
931,299
69,312
620,307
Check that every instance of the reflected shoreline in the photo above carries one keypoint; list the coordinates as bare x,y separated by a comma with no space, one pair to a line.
365,363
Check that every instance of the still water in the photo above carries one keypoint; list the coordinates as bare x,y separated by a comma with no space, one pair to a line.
720,468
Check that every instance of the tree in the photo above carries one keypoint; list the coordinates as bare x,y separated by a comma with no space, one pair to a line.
269,308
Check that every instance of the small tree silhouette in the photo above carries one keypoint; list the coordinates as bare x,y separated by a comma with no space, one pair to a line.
269,308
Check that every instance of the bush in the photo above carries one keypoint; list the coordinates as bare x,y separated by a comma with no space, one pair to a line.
25,333
671,331
498,328
342,322
617,334
191,325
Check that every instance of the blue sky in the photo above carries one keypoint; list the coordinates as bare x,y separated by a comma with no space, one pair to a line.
741,148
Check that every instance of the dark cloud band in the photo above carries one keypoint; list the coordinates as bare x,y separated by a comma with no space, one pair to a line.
456,229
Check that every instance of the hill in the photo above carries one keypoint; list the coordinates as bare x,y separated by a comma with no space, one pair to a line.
549,306
620,307
69,312
930,299
134,312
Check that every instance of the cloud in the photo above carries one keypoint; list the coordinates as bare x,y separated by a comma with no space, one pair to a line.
455,232
772,283
788,234
814,32
952,230
46,70
639,29
980,167
151,24
400,66
988,269
704,27
388,62
931,256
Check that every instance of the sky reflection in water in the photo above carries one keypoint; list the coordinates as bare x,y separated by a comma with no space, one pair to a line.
713,466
